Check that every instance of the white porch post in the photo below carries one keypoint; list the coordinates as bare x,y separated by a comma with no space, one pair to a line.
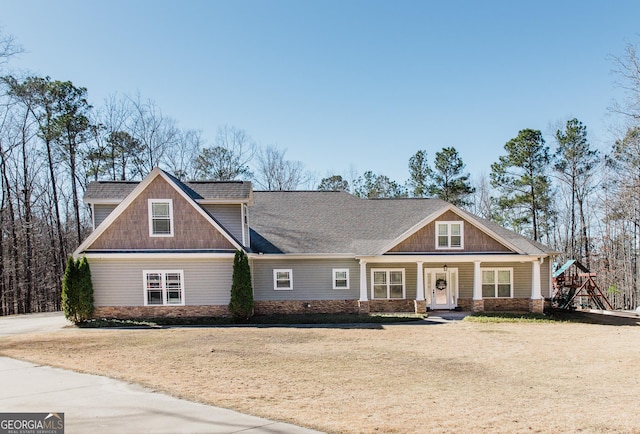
477,281
536,290
477,303
420,283
363,280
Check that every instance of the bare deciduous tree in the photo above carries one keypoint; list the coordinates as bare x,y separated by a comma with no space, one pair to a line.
229,158
181,161
275,173
8,48
155,132
627,71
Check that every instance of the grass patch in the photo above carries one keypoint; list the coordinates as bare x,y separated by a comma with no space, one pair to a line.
315,319
554,316
509,317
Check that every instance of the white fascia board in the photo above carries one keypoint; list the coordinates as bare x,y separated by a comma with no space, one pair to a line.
284,256
451,259
169,255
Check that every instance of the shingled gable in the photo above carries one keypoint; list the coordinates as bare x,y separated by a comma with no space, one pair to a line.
491,240
182,192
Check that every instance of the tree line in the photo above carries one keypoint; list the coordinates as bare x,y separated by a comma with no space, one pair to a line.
53,141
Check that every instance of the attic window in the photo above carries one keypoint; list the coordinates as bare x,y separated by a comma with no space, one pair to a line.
160,217
450,235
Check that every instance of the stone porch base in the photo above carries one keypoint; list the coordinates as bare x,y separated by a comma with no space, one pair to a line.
502,305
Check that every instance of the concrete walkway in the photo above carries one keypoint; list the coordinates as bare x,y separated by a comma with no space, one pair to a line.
95,404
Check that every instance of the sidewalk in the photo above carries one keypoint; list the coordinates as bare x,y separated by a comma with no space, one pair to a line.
95,404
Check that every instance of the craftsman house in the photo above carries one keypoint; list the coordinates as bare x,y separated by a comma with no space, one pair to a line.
162,247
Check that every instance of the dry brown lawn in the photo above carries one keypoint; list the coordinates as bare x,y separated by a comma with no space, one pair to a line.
455,377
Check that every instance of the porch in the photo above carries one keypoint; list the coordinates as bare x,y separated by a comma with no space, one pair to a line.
476,283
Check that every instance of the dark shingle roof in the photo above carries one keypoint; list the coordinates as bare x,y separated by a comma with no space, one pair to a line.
109,190
318,222
198,190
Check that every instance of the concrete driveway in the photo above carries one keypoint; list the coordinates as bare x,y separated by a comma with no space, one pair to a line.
32,323
96,404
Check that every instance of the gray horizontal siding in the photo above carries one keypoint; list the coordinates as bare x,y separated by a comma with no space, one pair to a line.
522,273
312,279
229,216
101,212
119,282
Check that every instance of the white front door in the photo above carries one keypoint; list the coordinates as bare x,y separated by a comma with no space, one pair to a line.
441,287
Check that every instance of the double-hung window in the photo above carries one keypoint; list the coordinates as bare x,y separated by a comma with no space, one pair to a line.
497,282
282,279
340,278
161,217
388,284
450,235
163,288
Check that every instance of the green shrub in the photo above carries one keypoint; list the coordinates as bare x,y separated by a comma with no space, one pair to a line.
77,290
241,303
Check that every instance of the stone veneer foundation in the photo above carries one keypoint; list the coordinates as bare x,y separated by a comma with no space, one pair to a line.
131,312
285,307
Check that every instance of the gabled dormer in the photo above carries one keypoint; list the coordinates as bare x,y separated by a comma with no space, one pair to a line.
449,232
163,213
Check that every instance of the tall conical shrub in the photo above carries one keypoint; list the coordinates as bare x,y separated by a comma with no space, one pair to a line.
85,301
77,290
70,290
241,303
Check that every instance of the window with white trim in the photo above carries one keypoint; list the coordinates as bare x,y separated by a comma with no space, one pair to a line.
160,217
497,283
450,235
340,278
387,284
282,279
163,287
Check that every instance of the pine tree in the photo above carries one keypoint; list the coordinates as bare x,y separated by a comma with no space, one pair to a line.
449,181
241,303
520,177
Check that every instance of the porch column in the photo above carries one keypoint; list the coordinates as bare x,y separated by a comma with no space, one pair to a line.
537,302
477,281
420,283
477,303
363,280
536,290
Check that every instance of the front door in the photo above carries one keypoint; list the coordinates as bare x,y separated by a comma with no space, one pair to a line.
441,287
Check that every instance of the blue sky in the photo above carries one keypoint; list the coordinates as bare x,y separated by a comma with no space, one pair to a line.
340,84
